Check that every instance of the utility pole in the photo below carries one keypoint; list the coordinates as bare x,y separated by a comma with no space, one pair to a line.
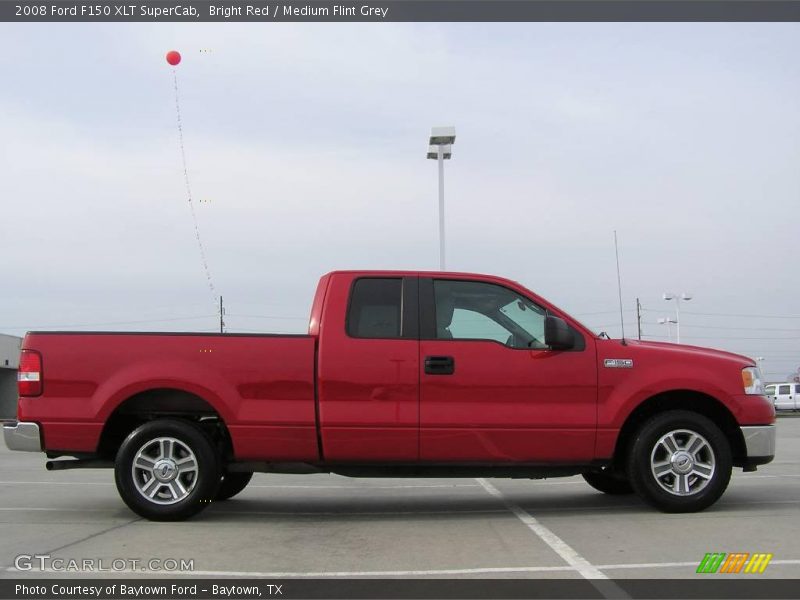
221,315
639,317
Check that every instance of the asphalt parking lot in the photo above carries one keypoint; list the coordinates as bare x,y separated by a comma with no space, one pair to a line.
331,526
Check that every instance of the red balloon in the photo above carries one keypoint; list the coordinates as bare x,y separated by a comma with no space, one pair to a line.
173,57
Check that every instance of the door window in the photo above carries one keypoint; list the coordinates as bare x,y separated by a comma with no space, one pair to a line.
783,389
484,311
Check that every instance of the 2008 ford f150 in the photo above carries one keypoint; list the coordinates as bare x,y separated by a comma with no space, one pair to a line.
401,373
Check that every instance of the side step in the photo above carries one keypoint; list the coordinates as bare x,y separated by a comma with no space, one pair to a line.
79,463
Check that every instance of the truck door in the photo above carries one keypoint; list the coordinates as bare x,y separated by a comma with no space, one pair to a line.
783,397
490,390
368,370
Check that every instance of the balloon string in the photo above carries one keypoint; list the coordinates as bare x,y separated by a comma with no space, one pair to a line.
189,192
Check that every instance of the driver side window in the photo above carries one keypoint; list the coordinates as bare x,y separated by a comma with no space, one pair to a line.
484,311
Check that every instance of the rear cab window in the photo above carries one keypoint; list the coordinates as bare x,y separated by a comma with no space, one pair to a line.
383,308
375,308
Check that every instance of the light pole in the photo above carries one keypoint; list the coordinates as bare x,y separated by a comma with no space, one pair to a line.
668,322
440,149
685,297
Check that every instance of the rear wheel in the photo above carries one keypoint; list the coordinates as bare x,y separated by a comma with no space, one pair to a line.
167,470
609,482
232,484
680,461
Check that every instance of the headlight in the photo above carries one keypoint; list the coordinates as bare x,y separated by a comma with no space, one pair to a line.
752,381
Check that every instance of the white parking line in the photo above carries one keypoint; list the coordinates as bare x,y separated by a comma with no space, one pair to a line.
288,574
286,513
564,550
597,578
548,509
418,572
692,564
56,483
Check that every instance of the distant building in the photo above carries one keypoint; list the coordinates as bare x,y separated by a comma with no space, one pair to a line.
9,362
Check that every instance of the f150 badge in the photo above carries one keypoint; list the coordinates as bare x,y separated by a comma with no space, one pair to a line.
618,363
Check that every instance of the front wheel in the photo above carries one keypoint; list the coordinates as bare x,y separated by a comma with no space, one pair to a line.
167,470
680,461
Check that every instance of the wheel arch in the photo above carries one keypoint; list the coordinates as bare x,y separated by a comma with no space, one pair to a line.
681,399
160,402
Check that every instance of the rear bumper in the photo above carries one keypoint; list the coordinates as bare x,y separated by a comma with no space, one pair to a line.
759,441
22,436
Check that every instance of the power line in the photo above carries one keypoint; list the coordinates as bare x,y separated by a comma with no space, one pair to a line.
267,317
708,314
718,337
693,326
600,312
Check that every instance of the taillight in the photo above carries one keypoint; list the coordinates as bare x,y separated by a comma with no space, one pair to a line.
29,376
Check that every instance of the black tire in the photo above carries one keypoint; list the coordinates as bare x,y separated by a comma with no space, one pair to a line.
164,449
232,484
609,482
680,462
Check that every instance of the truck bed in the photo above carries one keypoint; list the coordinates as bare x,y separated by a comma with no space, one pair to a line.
262,385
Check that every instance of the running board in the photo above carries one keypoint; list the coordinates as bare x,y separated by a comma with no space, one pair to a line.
61,465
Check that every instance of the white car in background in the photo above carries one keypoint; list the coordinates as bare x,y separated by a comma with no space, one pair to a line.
785,396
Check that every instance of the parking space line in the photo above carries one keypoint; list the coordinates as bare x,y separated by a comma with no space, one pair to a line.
547,509
56,483
571,556
564,550
692,564
375,513
421,572
737,478
418,572
47,509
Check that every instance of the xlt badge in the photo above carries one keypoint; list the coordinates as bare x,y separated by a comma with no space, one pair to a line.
618,363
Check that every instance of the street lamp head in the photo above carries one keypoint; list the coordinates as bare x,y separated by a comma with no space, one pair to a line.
447,152
442,135
669,296
685,296
667,320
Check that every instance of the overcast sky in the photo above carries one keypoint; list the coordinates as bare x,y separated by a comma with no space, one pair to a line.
306,144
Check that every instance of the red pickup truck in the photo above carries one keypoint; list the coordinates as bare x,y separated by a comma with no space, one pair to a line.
401,374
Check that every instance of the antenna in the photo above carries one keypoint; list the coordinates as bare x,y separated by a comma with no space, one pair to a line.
619,289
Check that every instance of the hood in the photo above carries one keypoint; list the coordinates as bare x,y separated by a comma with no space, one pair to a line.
683,350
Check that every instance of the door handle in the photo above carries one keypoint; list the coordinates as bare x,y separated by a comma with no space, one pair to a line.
440,365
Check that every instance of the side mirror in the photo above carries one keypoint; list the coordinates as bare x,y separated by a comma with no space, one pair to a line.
557,334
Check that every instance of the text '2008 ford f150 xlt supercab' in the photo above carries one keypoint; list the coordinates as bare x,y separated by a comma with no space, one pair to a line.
401,373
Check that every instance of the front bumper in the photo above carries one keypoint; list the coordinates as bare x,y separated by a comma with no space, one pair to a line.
759,442
22,436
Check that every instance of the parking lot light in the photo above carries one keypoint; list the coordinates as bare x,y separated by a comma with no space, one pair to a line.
440,149
678,298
